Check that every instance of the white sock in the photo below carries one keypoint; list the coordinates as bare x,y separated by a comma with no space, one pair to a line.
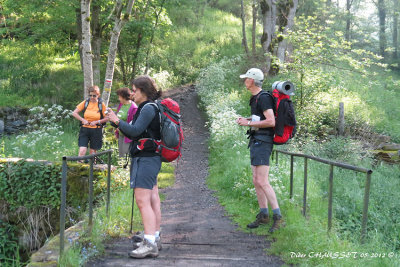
157,234
150,238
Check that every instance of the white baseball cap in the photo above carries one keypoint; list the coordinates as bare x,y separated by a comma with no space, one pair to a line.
253,73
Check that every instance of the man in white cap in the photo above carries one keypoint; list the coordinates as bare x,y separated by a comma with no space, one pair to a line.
261,134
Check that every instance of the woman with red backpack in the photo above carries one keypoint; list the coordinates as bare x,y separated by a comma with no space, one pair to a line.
146,161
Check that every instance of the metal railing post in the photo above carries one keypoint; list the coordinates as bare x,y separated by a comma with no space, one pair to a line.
365,209
305,187
291,176
91,194
108,185
330,196
63,203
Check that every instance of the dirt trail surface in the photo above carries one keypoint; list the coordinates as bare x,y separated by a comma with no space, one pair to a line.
195,231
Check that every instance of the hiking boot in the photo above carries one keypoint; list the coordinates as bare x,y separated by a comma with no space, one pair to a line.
278,223
137,239
260,219
146,249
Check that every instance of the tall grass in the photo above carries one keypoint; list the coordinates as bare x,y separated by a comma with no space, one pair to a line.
303,237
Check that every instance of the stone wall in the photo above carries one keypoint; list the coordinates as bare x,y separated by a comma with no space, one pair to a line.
13,120
48,225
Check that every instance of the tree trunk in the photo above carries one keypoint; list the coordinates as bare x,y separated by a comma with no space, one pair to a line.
122,62
244,37
288,16
395,28
348,19
138,45
79,33
96,41
268,10
86,47
152,37
382,27
112,52
253,30
136,55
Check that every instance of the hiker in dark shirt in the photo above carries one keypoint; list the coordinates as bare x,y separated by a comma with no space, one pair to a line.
261,133
146,161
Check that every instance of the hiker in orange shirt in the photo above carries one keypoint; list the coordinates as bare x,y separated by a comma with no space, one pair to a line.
92,121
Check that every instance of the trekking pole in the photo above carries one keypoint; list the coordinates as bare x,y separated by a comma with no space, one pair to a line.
133,204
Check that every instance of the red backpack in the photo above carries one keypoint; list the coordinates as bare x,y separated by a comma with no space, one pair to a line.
171,131
285,119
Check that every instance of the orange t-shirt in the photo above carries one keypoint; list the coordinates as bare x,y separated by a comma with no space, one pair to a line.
92,112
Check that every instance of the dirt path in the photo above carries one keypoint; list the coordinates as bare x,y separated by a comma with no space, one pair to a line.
195,230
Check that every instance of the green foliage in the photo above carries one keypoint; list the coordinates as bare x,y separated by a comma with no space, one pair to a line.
43,180
8,244
230,175
36,74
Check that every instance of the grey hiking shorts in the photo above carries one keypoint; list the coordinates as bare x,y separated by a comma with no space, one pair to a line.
260,152
144,172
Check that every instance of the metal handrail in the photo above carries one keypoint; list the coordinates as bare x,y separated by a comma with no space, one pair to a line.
368,172
64,189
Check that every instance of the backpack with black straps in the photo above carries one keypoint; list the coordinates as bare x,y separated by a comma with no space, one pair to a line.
169,146
100,104
285,118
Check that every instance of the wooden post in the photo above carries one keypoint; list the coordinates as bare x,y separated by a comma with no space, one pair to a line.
341,119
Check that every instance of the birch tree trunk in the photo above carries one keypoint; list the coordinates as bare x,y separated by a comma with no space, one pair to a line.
112,52
96,41
86,47
289,18
268,10
244,36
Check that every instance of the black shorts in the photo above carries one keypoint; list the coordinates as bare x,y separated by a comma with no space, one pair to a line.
144,172
94,136
260,152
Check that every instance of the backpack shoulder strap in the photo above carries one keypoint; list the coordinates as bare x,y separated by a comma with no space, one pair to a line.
272,98
85,107
100,103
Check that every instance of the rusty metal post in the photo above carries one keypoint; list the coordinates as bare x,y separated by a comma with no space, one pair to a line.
108,185
91,194
341,119
305,187
330,198
291,176
365,209
63,203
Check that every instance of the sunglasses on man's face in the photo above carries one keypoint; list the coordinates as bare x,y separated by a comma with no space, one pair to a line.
93,95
